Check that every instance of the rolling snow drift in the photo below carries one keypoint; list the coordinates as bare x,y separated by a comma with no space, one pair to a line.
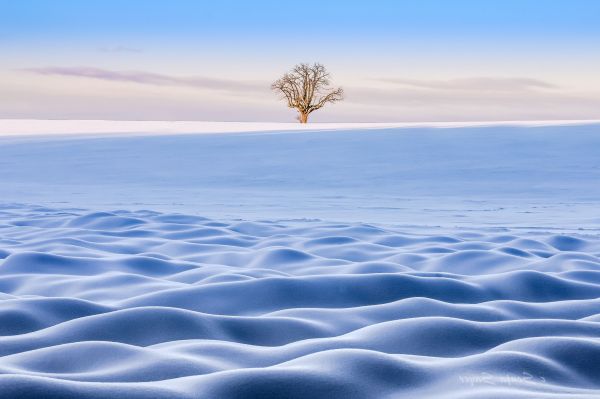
417,262
154,305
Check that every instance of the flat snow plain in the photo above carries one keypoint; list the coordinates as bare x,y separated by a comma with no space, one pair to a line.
335,261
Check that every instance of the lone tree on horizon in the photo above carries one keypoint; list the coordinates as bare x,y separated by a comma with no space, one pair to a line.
307,88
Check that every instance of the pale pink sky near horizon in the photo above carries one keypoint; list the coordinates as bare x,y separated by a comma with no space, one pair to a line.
185,60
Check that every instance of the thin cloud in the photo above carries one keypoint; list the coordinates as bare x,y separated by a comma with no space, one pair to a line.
153,79
474,84
415,97
120,49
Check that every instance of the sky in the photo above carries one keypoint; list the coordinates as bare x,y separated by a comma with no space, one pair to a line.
397,60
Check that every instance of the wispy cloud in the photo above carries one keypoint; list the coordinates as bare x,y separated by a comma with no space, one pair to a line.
119,49
475,94
154,79
474,84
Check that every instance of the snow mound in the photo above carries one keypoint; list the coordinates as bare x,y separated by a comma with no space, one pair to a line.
158,305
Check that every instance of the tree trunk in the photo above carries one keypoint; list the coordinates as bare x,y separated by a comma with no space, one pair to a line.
303,117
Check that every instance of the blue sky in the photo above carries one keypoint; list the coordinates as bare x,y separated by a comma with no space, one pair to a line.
213,60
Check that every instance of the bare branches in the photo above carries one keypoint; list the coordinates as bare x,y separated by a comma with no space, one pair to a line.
307,88
332,97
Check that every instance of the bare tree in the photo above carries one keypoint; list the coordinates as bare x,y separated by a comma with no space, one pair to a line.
307,88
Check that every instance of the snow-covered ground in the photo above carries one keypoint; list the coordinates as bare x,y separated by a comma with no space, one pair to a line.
359,262
502,175
21,127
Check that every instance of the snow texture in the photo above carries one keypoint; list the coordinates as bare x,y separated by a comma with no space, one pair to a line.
406,262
